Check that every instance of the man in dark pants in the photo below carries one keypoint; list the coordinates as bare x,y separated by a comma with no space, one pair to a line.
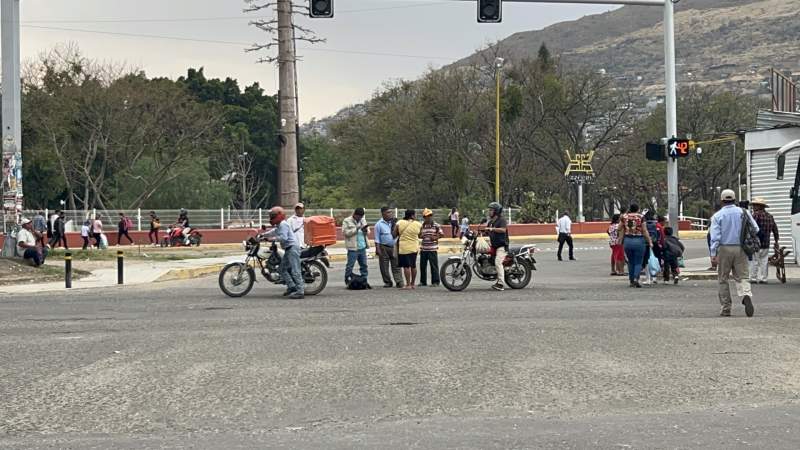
59,234
564,228
429,254
386,250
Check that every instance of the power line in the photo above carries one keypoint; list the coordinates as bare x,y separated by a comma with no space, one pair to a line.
223,18
239,44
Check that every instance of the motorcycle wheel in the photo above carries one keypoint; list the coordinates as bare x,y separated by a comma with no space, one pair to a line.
236,279
455,275
518,275
315,277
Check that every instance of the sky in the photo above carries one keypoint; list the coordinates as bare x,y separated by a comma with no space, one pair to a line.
369,42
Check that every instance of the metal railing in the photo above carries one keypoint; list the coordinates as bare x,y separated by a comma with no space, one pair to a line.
698,223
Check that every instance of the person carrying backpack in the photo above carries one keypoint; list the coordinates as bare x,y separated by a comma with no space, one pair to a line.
673,249
123,227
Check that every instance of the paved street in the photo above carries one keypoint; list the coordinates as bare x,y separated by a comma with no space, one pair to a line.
577,361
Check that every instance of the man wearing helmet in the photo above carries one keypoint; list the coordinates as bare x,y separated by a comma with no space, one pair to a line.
290,264
498,236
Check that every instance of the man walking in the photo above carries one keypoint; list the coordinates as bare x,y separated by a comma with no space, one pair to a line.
386,250
123,228
59,234
498,237
429,252
759,266
298,224
290,263
355,232
564,227
40,227
728,255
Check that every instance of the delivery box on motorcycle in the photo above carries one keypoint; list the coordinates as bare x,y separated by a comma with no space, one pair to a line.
320,230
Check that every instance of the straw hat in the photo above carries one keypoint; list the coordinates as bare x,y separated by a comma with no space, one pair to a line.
427,212
759,201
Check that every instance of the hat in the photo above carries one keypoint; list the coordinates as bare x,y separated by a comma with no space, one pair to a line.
300,205
25,221
759,201
728,195
427,212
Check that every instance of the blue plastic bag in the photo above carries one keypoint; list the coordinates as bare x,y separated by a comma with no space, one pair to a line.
653,265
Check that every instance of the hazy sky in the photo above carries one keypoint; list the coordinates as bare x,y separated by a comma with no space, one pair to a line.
435,32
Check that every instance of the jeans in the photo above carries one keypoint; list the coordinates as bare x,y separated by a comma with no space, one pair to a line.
562,238
429,258
290,270
389,267
670,266
352,257
85,242
634,251
35,256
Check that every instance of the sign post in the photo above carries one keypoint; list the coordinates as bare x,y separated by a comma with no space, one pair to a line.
580,172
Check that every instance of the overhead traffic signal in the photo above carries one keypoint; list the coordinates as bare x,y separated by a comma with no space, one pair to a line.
490,11
320,9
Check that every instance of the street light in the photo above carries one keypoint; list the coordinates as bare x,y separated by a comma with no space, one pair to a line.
498,64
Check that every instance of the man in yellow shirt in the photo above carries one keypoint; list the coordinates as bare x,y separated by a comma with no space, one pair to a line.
407,232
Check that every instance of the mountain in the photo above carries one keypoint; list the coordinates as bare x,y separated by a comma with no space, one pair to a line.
718,42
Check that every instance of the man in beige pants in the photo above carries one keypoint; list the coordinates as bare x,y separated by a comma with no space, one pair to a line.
727,253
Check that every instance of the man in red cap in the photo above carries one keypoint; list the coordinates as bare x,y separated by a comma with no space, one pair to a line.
290,264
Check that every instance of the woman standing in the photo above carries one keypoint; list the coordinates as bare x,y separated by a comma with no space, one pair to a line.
617,252
634,239
454,222
407,231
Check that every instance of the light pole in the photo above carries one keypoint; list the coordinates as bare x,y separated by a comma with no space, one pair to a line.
498,65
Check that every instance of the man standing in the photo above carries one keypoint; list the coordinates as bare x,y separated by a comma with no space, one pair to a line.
355,232
290,263
564,228
386,250
298,224
155,226
759,266
26,244
728,255
40,226
498,237
429,252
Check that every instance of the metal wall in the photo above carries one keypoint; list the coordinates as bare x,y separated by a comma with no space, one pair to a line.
762,183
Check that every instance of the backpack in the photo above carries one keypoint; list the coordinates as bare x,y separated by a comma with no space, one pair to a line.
751,242
128,223
358,283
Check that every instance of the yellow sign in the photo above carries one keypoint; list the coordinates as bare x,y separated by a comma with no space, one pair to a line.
580,164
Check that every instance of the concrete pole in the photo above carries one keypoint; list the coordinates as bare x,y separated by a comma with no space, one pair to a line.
580,202
671,112
289,188
11,109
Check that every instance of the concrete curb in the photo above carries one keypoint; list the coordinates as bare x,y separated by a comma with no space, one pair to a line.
190,273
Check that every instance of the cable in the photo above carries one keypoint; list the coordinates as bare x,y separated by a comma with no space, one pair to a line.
239,44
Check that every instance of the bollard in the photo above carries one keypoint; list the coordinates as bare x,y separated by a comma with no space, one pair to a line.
68,270
120,257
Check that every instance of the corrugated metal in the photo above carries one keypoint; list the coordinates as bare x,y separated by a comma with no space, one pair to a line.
770,119
764,184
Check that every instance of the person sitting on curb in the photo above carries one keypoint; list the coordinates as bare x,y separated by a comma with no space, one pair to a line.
26,245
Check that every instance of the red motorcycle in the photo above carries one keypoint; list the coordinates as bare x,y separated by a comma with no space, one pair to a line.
176,238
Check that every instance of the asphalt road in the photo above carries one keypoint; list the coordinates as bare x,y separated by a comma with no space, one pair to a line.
577,361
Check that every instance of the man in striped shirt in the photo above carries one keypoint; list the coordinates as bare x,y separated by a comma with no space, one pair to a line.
429,254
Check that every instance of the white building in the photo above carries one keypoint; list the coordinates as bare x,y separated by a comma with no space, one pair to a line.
773,131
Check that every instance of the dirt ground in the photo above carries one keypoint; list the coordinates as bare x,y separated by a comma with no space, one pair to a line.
14,271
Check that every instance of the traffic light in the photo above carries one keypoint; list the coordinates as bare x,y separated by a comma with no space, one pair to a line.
655,152
320,9
490,11
679,148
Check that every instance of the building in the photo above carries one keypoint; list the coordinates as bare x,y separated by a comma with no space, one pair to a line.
774,130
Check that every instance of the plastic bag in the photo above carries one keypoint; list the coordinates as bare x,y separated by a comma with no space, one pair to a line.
482,245
653,265
103,241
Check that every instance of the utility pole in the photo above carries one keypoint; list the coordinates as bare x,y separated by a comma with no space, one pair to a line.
288,185
671,112
12,128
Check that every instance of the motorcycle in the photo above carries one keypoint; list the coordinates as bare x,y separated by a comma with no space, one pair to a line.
236,279
456,272
175,237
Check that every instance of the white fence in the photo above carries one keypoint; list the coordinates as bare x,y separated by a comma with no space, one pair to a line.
223,218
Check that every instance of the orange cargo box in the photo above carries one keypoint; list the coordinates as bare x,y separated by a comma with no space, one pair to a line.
320,230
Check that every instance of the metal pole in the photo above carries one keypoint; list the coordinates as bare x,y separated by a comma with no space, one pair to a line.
139,218
580,202
497,143
120,264
733,162
260,217
68,270
671,112
222,218
11,109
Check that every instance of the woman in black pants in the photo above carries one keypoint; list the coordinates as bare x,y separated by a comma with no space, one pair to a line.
454,222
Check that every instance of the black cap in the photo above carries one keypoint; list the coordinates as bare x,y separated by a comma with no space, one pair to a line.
358,212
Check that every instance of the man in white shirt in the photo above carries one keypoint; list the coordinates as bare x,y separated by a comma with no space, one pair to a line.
26,244
564,228
298,223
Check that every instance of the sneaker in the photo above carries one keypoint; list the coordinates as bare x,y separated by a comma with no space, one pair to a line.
675,281
748,306
288,292
636,284
436,285
573,259
297,296
498,287
388,285
725,314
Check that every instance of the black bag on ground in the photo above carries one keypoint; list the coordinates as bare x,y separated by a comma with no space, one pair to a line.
358,283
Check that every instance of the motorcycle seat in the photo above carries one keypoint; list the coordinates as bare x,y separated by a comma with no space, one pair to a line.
514,251
311,252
